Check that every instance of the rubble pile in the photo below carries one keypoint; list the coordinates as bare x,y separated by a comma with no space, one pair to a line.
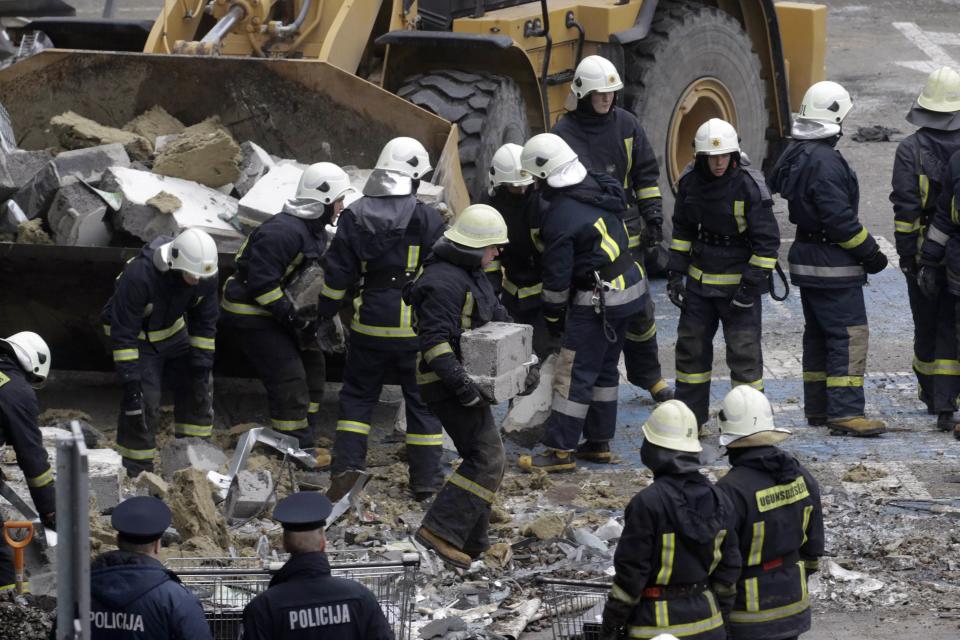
26,618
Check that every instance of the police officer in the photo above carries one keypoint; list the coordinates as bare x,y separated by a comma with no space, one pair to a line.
278,339
162,323
918,173
609,139
779,522
24,366
592,286
303,600
132,595
829,262
452,294
677,558
381,241
725,241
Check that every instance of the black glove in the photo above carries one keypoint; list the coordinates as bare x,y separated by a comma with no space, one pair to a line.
131,411
294,322
555,329
653,235
615,616
307,338
676,290
470,395
532,380
743,299
330,335
928,279
908,265
49,521
875,262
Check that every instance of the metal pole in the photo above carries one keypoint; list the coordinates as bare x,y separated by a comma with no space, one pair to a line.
73,524
109,8
223,27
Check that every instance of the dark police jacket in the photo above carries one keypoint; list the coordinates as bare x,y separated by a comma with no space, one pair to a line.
943,235
133,597
521,282
780,528
450,295
269,259
18,426
919,174
380,242
824,196
582,232
156,310
724,232
304,601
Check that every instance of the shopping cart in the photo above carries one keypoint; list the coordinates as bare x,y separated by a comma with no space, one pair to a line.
575,607
225,585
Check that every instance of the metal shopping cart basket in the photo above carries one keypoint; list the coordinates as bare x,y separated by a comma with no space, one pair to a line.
225,585
575,607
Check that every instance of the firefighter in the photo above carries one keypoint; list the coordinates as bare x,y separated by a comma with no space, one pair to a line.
132,595
942,248
511,194
725,241
382,239
452,294
779,522
162,323
609,139
279,340
303,600
592,286
24,366
918,173
677,560
829,262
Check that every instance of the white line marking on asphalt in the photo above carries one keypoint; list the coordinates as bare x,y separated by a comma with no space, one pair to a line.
938,57
947,39
888,250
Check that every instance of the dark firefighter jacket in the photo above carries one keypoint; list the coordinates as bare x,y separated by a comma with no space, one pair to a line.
679,536
780,530
450,295
133,597
304,601
583,232
18,426
724,232
153,309
520,259
268,260
824,196
383,241
943,236
919,171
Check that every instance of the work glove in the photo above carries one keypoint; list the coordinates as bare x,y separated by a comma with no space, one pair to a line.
330,335
470,395
555,329
875,262
49,521
908,265
676,290
615,616
131,411
532,380
307,338
653,235
743,299
294,321
929,281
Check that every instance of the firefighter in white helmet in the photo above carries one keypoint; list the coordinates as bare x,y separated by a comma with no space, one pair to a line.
678,551
278,339
779,521
162,324
725,244
609,139
829,262
919,179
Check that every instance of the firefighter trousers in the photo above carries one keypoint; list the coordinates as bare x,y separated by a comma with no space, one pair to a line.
165,366
742,333
935,348
641,354
460,513
835,339
294,380
363,379
586,381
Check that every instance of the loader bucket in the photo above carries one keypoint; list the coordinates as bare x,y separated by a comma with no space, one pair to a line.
302,109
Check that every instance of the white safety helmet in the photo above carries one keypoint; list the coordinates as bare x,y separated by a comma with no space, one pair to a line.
942,91
505,167
822,111
478,226
746,412
547,156
406,156
324,182
672,425
193,252
595,73
716,137
32,353
665,636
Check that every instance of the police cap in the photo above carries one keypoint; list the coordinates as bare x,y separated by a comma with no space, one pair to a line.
303,511
141,519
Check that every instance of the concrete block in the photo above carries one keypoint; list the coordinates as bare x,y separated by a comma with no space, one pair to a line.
255,164
268,195
11,217
304,290
17,168
496,348
254,493
529,412
76,132
186,453
78,217
106,476
504,387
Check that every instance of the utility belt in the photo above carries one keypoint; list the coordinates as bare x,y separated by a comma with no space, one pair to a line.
772,564
721,240
607,272
387,278
672,591
816,237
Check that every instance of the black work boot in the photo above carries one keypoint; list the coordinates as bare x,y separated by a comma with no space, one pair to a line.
817,421
945,421
594,451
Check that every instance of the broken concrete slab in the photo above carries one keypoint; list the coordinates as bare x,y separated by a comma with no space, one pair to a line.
529,412
254,494
78,217
304,290
496,348
546,527
105,470
268,195
150,484
11,217
77,132
194,512
255,164
153,123
504,387
212,159
190,453
18,168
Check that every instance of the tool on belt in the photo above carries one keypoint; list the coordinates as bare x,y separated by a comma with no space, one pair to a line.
600,288
783,278
18,534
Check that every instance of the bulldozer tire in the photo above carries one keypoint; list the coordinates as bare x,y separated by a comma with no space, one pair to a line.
698,57
488,109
